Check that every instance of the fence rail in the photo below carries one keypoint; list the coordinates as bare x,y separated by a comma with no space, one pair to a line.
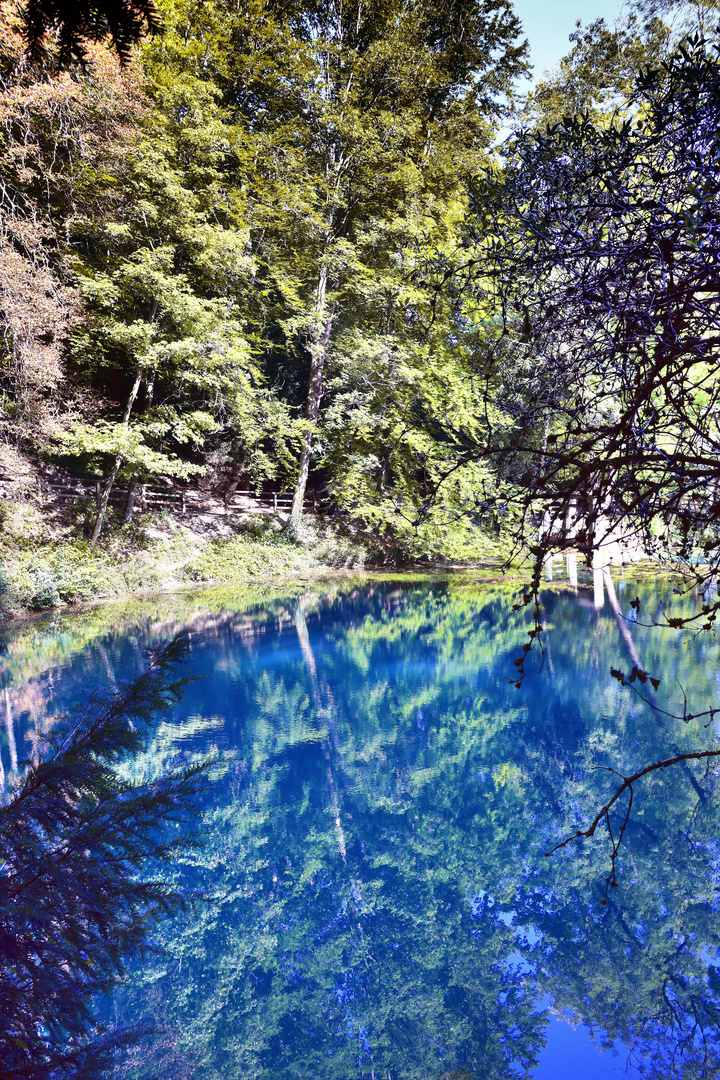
187,501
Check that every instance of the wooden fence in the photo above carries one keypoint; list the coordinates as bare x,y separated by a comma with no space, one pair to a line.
182,500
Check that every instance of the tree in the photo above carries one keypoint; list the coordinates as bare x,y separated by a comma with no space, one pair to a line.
80,844
122,261
599,71
600,251
354,129
54,135
598,74
161,273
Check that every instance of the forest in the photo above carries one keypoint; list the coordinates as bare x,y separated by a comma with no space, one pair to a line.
278,247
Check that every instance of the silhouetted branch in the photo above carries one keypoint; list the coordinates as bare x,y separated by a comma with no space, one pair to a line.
644,678
74,22
627,785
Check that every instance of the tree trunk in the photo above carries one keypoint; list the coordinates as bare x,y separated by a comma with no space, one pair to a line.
132,493
318,352
236,474
105,497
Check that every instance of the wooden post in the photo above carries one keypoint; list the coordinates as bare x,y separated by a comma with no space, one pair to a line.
275,501
130,501
142,498
183,502
97,494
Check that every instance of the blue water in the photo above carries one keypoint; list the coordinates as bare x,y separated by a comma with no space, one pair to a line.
374,849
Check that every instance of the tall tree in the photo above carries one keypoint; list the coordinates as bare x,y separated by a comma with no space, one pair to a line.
55,133
609,247
355,127
598,74
160,271
599,71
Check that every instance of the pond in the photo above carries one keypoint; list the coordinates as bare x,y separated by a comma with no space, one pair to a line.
382,906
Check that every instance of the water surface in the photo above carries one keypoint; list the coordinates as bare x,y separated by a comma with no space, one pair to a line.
382,905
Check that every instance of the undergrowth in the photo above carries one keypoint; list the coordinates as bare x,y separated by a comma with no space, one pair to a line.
46,561
265,553
41,571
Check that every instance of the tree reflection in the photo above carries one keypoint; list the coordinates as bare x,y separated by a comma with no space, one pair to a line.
383,906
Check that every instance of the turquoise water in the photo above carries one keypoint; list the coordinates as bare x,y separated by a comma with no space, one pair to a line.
381,903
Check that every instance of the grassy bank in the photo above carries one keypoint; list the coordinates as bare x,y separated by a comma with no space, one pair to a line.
46,561
44,568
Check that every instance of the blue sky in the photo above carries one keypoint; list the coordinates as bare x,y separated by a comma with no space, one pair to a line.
547,25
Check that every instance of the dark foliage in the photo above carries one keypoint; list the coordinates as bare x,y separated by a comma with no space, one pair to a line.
80,847
77,21
601,249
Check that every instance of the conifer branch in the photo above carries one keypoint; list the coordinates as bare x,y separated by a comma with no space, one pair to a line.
81,848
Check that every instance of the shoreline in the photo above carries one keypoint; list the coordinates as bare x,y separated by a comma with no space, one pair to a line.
412,572
489,572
